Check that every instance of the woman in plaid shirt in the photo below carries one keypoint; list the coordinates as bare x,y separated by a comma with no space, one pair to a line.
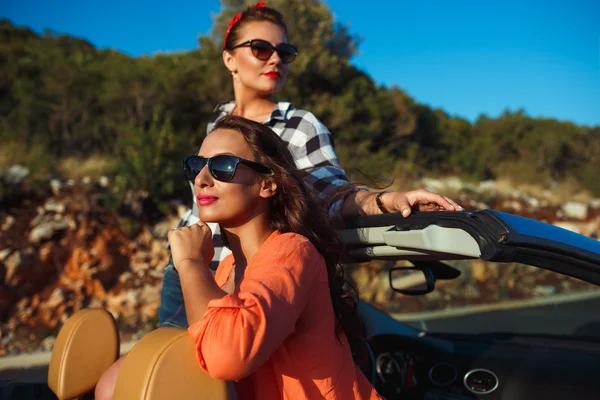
258,56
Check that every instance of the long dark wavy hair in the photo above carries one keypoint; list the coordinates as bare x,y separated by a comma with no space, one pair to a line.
296,208
254,14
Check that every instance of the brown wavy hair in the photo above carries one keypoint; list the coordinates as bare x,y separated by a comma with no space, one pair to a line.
296,208
254,14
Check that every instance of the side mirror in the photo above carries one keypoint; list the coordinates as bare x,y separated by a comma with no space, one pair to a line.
441,271
412,281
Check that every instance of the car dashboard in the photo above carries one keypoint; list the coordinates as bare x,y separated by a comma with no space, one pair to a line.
446,367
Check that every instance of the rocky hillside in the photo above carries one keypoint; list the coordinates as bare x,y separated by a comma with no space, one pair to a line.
62,250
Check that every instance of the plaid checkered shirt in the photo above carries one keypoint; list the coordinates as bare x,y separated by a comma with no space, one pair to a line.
311,144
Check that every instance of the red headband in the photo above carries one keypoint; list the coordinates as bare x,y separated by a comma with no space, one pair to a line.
236,18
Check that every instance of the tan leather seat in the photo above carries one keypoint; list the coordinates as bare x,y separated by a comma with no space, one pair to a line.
87,344
163,365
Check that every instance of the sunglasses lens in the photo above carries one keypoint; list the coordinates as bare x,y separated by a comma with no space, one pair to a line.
261,50
192,167
286,52
223,168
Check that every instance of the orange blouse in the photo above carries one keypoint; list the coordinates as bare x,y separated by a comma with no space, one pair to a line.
275,335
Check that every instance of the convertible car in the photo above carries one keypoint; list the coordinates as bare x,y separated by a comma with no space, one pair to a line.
462,305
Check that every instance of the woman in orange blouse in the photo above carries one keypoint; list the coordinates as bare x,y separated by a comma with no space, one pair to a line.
275,319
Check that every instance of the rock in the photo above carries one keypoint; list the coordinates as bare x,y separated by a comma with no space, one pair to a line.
159,249
4,254
161,229
471,292
487,186
544,291
56,298
8,223
158,272
149,311
71,224
46,231
575,210
150,294
48,343
11,264
511,206
96,290
571,226
139,268
41,217
181,210
103,182
433,185
518,194
55,186
16,174
532,202
125,276
469,187
481,271
10,336
454,184
54,206
97,303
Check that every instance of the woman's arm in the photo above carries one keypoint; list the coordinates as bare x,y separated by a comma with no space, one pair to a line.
192,249
318,160
364,203
199,288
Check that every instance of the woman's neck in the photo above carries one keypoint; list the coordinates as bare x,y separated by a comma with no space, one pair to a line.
251,106
244,241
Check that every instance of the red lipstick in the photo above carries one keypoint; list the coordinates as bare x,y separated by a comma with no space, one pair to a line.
206,199
272,75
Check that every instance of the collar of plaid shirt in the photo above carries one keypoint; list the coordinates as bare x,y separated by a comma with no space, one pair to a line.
279,112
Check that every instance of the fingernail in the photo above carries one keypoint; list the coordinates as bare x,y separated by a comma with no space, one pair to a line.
405,212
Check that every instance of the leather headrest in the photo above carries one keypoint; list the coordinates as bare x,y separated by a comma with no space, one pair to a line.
87,344
163,365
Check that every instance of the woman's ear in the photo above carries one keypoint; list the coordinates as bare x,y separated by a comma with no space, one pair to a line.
229,61
268,188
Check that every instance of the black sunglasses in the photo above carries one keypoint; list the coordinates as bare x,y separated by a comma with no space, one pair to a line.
221,167
263,50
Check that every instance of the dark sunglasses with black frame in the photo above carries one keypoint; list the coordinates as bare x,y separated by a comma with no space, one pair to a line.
221,167
263,50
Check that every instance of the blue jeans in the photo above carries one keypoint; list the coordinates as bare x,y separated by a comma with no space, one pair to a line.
172,307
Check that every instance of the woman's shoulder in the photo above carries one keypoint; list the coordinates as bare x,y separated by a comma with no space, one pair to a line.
289,245
288,255
219,111
226,107
300,119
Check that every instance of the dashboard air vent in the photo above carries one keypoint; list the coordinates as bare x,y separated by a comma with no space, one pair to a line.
481,381
442,374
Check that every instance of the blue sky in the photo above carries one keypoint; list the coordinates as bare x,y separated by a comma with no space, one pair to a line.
465,56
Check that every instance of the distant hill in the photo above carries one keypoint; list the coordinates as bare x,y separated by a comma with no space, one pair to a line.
63,101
